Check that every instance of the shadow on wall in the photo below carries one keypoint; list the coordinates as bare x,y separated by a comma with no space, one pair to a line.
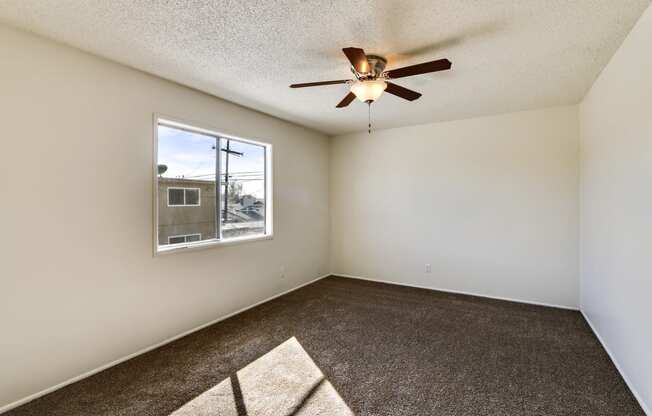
285,381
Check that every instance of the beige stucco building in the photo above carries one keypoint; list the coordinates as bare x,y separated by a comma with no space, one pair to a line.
186,210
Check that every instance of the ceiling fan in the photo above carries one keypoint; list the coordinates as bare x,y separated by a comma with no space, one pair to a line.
371,79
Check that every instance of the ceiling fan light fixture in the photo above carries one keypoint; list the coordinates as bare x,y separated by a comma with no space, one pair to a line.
371,78
368,91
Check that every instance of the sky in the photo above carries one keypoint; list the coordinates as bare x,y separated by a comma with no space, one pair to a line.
192,156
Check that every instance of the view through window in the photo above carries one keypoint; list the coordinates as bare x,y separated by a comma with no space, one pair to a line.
190,211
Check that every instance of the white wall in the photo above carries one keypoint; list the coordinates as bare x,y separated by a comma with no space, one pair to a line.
616,208
79,286
490,203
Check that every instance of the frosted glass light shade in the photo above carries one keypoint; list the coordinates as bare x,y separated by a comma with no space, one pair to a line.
368,90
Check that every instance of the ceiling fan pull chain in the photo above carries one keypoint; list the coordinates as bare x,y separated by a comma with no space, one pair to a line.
369,115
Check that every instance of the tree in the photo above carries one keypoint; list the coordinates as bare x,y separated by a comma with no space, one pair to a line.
235,192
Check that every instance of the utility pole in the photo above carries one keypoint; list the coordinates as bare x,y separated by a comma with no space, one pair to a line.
228,152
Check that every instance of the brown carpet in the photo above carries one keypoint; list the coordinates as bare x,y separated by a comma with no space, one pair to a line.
382,349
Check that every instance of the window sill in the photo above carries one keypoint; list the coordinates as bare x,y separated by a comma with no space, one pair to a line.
202,245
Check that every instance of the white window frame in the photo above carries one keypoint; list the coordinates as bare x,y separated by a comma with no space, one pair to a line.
198,204
202,128
185,236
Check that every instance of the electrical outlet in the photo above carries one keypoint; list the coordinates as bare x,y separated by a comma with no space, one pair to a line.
428,268
282,272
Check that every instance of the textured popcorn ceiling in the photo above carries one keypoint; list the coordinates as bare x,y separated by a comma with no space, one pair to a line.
507,55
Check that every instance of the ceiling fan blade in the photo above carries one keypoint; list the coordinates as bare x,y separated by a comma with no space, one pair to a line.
424,68
316,84
402,92
358,59
346,101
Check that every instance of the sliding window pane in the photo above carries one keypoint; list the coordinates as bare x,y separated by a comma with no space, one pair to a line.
194,237
186,186
177,240
192,196
242,187
175,196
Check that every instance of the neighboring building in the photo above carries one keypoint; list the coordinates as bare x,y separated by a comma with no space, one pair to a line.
186,212
245,217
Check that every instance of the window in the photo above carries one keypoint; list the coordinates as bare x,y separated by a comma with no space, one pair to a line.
180,197
178,239
210,188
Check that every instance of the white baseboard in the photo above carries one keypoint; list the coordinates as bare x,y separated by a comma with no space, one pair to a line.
638,397
459,292
31,397
200,327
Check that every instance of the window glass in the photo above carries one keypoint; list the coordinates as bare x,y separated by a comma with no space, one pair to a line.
175,196
209,187
186,164
192,196
242,188
177,240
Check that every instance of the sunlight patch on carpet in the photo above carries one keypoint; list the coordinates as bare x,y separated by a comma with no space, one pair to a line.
285,381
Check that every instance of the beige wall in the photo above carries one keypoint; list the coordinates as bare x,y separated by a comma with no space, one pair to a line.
490,203
79,285
616,208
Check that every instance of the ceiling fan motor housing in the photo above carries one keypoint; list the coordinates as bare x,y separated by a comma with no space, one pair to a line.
376,66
